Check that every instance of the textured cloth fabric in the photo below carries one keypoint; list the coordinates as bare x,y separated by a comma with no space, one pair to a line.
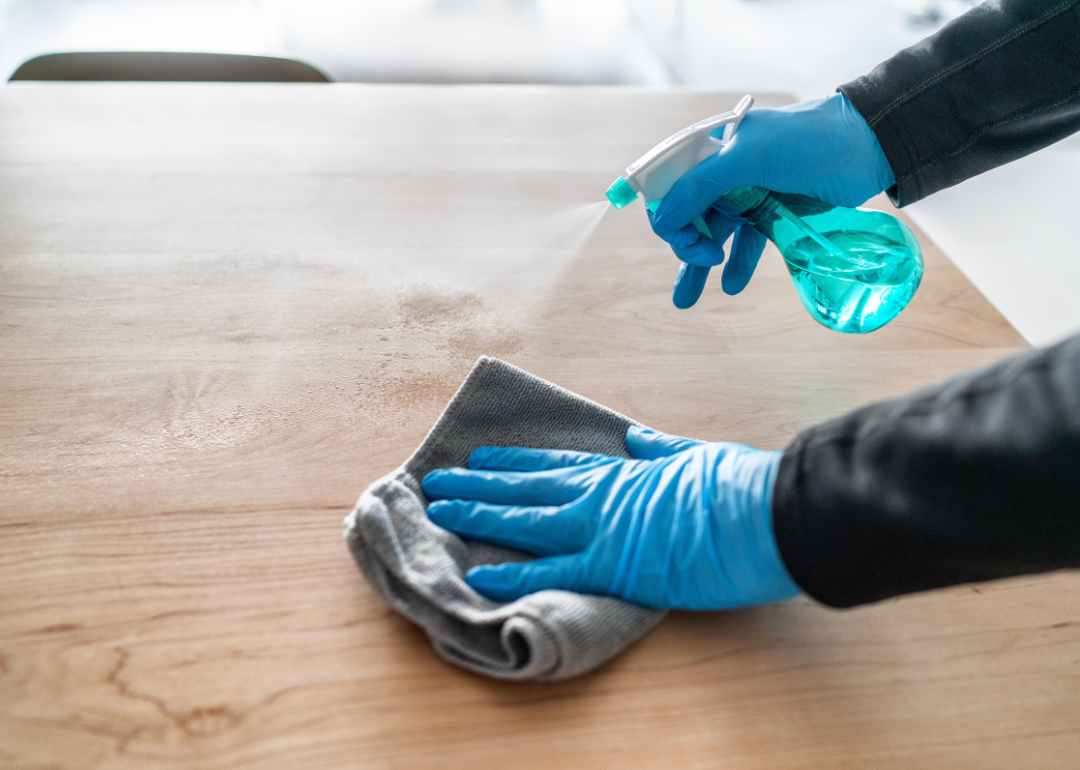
418,568
976,478
994,85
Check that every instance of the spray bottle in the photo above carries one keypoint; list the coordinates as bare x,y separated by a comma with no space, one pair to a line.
854,269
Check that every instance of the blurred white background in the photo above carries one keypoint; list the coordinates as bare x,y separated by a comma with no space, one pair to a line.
1010,230
803,47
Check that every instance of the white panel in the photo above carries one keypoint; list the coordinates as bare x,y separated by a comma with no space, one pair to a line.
1015,232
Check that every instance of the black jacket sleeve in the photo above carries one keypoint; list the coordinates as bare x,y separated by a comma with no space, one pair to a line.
994,85
973,479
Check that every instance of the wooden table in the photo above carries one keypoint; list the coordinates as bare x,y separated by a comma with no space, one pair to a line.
227,309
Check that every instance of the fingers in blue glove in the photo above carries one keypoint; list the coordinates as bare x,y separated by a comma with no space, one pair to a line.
511,581
746,250
647,444
722,221
702,255
683,238
692,247
541,530
689,284
547,487
494,458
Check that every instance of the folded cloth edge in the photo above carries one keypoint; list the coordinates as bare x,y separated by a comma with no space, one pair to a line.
448,415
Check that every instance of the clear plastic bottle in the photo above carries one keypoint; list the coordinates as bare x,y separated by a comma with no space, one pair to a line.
854,269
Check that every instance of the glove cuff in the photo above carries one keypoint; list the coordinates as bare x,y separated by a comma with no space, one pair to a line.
880,168
766,578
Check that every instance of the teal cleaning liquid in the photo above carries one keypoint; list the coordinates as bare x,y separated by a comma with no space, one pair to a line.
854,269
857,295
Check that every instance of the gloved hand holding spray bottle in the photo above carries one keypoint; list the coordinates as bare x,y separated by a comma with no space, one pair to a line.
683,523
854,269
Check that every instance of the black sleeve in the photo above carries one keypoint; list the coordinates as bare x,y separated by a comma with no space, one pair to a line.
994,85
973,479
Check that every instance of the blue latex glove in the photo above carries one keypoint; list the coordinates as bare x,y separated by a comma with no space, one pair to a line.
684,525
821,148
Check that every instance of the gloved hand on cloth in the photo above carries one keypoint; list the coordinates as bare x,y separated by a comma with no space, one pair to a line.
684,524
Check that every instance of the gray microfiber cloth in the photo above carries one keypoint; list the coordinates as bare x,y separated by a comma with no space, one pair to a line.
418,567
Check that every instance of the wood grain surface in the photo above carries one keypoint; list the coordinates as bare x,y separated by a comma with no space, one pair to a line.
227,309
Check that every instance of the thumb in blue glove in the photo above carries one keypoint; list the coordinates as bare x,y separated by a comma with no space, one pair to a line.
684,524
821,148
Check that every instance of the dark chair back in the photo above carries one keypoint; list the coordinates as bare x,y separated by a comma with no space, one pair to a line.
167,66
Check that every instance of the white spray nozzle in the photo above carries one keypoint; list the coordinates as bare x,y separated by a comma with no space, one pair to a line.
655,172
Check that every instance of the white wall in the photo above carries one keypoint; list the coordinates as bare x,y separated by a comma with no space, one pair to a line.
1015,232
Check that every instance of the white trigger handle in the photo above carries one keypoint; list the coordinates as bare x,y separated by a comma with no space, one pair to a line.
738,114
